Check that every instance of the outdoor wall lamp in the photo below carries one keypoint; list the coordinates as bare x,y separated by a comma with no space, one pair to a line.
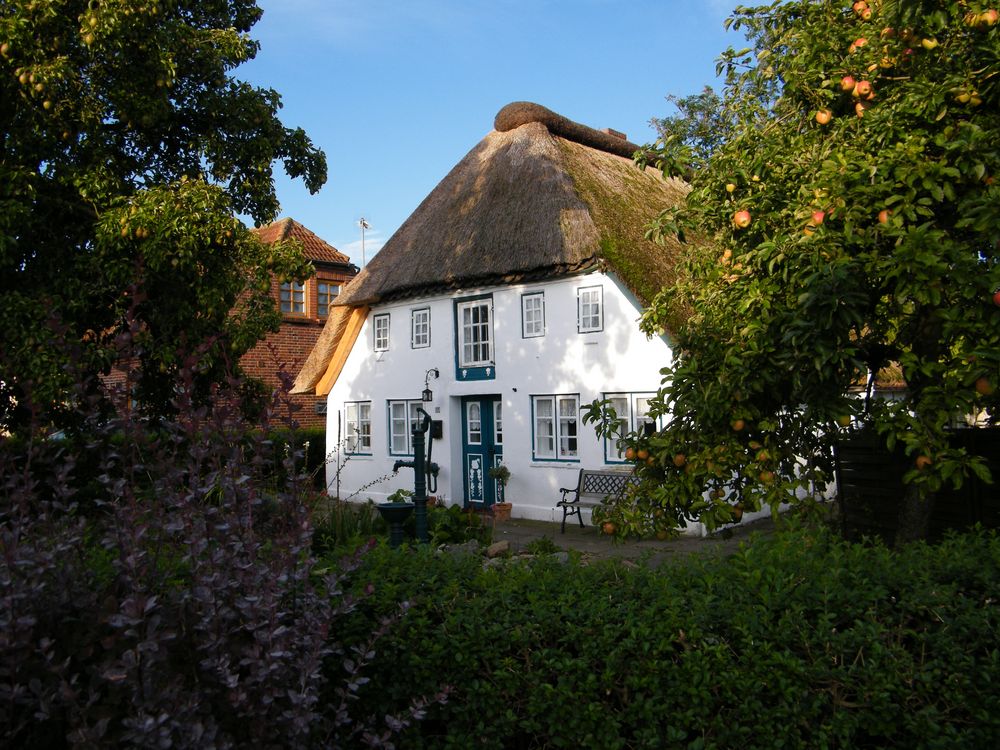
428,394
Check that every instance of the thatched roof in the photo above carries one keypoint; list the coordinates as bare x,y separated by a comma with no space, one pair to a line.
539,197
337,337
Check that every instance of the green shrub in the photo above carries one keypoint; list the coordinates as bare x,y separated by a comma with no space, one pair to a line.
543,546
340,526
309,447
800,641
453,525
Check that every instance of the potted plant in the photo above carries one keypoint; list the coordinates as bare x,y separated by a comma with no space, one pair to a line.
501,508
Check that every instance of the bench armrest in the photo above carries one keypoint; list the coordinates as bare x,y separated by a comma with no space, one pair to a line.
565,491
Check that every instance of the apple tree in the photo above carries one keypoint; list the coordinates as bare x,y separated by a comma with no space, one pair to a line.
126,147
843,233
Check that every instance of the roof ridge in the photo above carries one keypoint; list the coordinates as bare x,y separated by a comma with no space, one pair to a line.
516,114
315,247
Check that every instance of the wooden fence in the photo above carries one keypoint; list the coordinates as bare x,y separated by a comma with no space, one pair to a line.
870,488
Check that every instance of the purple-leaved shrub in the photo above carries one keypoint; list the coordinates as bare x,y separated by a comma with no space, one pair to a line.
157,587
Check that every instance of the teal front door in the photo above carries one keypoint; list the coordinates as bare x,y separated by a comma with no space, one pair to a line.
482,447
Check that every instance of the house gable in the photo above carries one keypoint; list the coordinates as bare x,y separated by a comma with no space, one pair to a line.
306,307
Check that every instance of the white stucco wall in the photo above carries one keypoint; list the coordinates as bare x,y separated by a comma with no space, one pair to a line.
617,359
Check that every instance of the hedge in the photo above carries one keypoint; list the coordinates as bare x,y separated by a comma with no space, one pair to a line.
800,641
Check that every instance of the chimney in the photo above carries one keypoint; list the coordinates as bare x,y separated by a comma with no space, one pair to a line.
615,133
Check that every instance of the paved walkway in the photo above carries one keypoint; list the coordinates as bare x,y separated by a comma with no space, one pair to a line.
594,545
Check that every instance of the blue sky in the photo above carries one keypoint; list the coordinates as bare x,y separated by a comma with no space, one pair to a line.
397,91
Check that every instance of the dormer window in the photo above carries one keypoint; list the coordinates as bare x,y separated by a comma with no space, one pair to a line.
293,298
326,293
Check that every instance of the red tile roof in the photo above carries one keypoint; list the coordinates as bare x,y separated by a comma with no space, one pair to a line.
314,247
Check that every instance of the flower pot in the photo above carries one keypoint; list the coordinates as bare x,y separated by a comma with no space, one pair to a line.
501,511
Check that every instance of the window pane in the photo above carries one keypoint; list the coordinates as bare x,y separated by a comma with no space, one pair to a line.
397,427
420,328
545,446
293,297
642,412
620,405
590,309
357,427
567,427
498,422
475,332
533,316
365,421
414,423
474,423
351,427
381,342
325,294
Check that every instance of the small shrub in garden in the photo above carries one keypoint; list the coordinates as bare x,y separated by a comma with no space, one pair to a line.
543,546
341,525
454,525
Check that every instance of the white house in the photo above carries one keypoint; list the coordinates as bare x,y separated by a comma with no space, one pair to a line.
512,293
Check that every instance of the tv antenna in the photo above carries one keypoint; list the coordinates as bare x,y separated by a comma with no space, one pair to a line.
363,223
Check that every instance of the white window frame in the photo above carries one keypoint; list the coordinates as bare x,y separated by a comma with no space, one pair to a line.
293,295
420,328
358,428
464,329
559,428
326,293
380,332
631,419
401,443
532,320
590,309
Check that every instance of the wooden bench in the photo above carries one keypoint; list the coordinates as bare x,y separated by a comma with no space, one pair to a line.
592,487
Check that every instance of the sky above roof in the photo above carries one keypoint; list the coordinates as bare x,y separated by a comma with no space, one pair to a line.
396,92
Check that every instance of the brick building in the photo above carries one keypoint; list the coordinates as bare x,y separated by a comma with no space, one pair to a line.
305,307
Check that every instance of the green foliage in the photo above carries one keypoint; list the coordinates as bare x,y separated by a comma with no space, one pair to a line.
342,527
542,546
869,249
454,525
500,472
158,592
128,145
308,447
401,495
699,128
803,641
